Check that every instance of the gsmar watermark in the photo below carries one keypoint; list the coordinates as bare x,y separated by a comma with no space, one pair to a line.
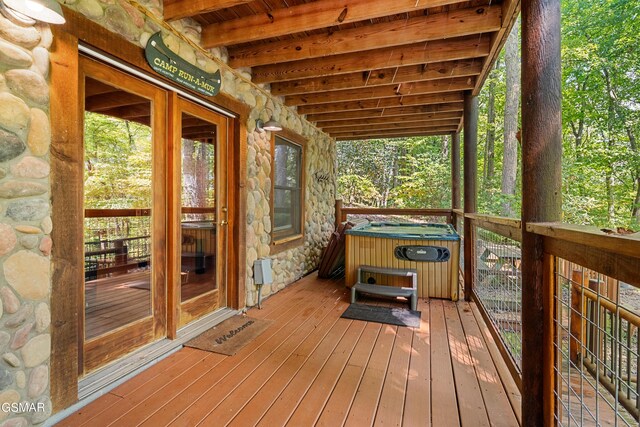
22,407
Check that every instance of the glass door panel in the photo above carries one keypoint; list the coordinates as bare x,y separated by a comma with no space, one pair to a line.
198,214
123,300
200,211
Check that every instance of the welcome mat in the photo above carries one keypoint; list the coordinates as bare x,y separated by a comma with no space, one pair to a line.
230,336
378,314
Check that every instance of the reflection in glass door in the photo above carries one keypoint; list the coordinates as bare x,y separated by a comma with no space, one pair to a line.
201,161
198,195
123,299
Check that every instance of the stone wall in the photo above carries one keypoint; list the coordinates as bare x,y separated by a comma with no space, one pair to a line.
25,224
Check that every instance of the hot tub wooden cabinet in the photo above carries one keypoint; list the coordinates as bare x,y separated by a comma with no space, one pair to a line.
407,246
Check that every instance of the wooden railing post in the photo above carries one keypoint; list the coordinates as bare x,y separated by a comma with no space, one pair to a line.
541,201
338,212
575,342
470,193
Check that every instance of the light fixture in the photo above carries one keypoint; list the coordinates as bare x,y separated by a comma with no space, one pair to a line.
27,12
271,125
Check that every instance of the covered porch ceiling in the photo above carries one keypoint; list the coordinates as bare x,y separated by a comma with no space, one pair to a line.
361,69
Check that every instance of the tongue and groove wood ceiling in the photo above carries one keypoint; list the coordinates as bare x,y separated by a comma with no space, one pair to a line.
361,69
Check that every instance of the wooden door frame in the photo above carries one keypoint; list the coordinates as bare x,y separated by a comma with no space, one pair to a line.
67,199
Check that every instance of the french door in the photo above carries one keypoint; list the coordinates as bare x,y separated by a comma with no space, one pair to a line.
198,210
155,214
124,294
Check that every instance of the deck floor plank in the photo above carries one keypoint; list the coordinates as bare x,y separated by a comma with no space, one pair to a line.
495,398
243,393
391,404
291,376
365,404
444,403
314,400
311,367
416,412
285,323
471,403
337,407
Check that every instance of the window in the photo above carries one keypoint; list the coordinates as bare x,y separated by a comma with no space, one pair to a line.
288,191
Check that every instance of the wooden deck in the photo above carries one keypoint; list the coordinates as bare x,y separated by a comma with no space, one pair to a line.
312,367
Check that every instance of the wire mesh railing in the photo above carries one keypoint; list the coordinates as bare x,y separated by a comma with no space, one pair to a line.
498,287
116,244
596,348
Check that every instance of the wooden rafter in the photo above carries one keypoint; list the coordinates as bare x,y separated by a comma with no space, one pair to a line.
386,112
113,100
397,120
392,134
388,91
307,17
411,73
368,104
412,54
394,126
457,23
177,9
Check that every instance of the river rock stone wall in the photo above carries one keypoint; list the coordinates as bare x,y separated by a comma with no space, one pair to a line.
25,224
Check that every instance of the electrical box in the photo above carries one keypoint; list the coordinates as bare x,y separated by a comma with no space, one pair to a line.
262,274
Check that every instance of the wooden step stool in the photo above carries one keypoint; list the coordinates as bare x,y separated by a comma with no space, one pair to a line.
387,291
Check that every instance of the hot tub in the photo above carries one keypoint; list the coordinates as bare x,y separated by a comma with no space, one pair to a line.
433,250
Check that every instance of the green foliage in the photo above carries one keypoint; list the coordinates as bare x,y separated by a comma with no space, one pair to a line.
117,163
601,123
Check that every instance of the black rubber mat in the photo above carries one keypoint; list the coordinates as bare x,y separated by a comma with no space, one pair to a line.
390,316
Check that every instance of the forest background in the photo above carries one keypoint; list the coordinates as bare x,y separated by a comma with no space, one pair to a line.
601,122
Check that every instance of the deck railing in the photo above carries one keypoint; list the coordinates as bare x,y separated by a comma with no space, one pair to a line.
594,299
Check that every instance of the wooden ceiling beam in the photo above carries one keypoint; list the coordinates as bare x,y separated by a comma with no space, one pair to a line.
393,126
307,17
386,76
389,91
112,100
178,9
455,23
393,133
409,118
398,56
387,112
370,104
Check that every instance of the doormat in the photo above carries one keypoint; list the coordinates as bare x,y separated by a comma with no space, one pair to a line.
230,336
388,315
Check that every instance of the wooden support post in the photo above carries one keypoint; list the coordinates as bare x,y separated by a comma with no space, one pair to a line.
541,199
455,170
338,213
575,341
470,193
455,178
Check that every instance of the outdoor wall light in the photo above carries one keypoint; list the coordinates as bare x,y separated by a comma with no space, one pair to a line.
27,12
271,125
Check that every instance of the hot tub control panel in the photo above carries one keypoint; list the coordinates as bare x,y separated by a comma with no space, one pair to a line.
421,253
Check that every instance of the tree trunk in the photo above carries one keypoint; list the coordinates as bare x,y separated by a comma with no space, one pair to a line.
489,152
510,159
635,209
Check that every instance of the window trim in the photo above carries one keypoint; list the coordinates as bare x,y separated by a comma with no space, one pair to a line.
295,240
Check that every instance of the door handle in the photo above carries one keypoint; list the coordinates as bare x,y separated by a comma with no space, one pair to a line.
224,222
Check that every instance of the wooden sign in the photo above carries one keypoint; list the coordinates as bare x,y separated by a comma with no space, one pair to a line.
169,64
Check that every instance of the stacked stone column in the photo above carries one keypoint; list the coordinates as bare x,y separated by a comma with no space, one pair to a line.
25,224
